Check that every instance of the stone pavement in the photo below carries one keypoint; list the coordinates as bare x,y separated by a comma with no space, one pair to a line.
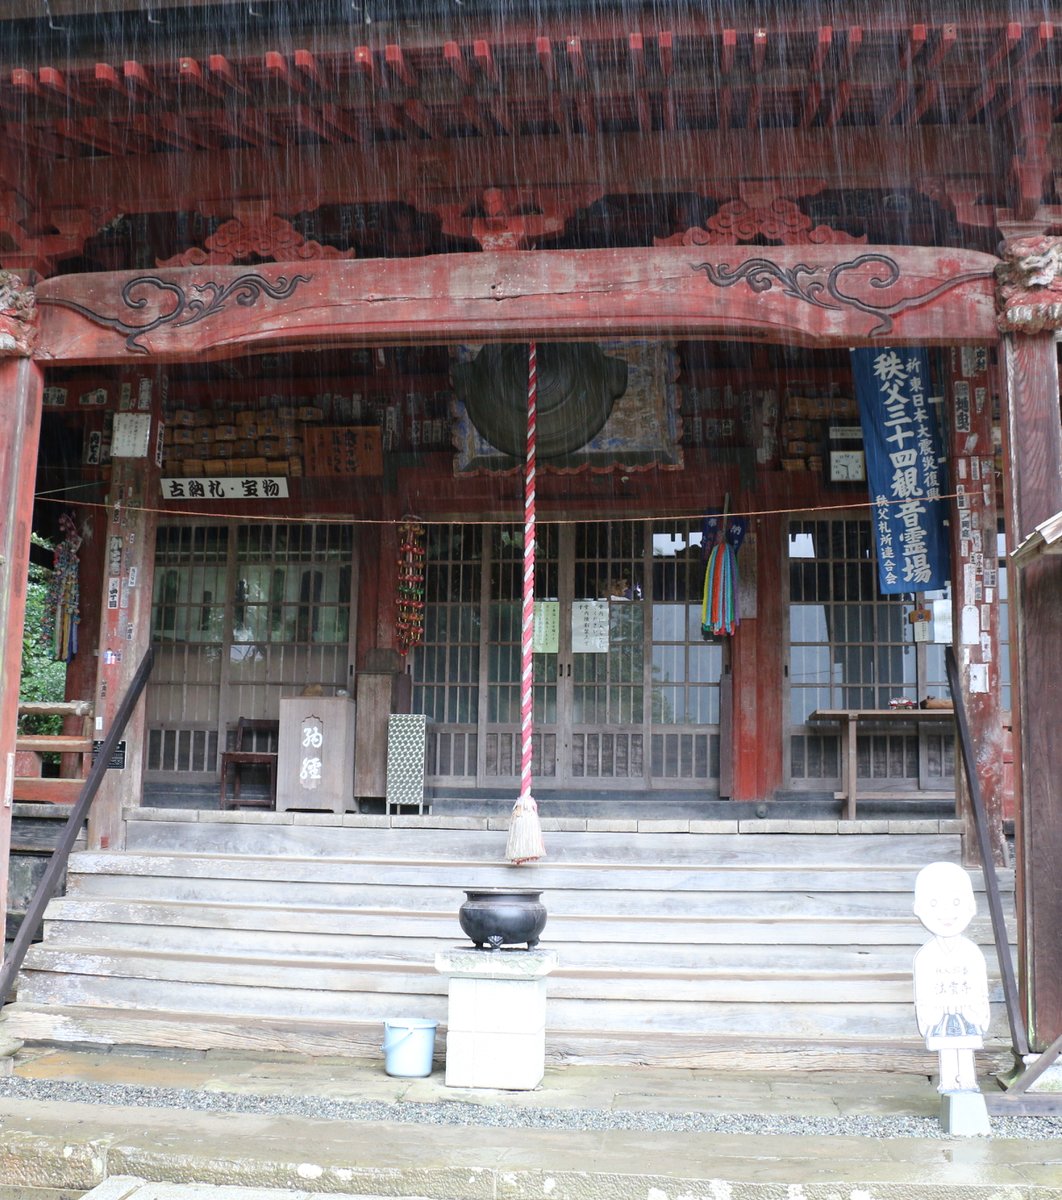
71,1119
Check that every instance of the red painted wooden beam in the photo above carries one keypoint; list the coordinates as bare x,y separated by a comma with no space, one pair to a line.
823,43
308,70
728,50
842,94
364,64
137,79
220,68
944,44
108,80
853,44
544,53
190,74
455,60
277,70
341,121
483,57
665,50
397,67
939,296
852,157
636,51
759,49
55,83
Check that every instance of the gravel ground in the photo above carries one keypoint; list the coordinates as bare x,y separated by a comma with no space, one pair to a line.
506,1116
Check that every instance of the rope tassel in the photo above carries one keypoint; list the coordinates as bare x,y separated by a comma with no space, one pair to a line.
525,829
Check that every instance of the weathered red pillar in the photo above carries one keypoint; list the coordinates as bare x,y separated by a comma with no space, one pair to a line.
757,659
974,576
128,535
1030,293
21,390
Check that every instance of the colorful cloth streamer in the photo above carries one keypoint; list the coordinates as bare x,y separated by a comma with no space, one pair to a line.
719,605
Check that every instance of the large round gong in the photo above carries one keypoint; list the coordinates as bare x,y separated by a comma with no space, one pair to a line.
577,386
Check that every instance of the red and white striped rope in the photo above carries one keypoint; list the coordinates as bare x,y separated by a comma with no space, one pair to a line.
527,666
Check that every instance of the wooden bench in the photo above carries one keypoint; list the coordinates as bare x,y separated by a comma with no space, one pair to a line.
241,756
848,720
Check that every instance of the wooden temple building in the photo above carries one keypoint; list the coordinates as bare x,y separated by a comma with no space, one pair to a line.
269,276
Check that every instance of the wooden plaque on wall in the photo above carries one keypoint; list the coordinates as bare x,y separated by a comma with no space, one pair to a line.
343,450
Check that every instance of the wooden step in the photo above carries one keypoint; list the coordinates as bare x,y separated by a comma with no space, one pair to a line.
726,1050
273,837
705,904
228,934
56,708
421,996
440,933
53,743
47,791
717,877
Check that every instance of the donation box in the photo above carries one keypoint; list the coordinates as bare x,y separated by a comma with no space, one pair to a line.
315,758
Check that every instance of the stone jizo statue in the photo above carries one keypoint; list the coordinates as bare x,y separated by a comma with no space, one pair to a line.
950,977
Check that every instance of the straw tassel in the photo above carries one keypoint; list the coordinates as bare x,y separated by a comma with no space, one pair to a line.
525,829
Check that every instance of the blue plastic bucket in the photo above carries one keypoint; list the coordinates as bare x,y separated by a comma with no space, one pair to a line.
408,1046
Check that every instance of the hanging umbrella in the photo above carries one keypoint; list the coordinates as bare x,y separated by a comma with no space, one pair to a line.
525,829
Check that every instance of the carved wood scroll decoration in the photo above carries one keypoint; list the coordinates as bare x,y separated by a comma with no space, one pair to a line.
779,221
240,239
189,305
1029,285
820,286
18,315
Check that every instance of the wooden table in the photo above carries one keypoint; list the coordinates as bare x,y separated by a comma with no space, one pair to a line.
848,719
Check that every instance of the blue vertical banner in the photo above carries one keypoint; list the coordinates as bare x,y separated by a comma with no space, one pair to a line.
904,455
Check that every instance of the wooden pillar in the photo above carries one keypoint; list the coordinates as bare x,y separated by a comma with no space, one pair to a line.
1033,457
757,658
975,582
21,389
128,536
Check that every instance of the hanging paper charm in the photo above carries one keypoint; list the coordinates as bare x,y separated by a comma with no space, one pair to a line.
409,593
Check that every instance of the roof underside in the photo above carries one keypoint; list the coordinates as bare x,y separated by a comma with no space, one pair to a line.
262,84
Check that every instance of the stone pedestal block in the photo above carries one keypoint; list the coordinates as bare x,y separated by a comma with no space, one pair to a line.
964,1114
496,1024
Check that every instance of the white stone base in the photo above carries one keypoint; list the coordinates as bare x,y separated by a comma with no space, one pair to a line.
496,1024
964,1114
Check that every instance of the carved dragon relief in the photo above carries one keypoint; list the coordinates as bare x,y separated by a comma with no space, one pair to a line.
18,315
1029,285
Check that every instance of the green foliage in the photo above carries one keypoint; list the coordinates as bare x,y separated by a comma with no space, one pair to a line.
43,679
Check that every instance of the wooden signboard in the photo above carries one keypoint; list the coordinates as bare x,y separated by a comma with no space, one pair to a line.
344,450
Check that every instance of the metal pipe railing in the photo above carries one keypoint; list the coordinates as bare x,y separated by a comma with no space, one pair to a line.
56,869
1018,1032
